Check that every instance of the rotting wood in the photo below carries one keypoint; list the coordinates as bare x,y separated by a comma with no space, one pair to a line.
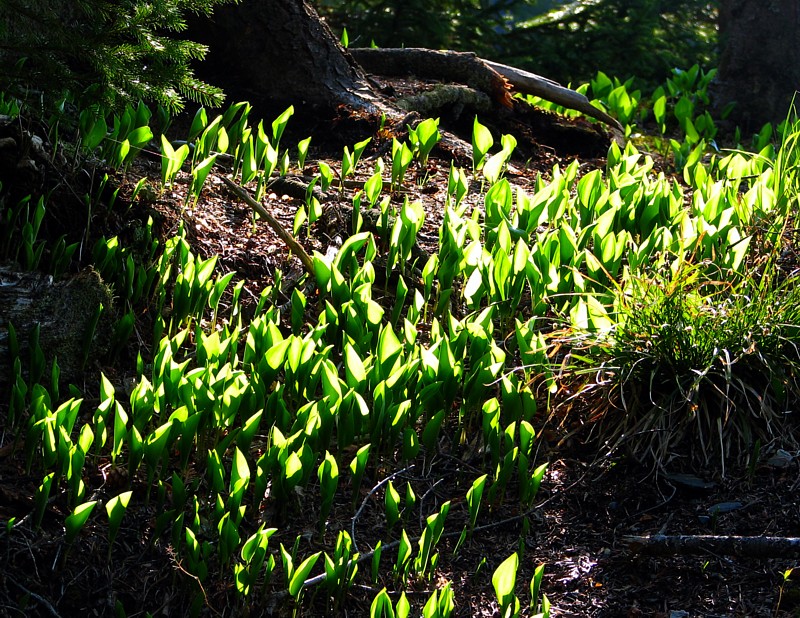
455,96
740,546
530,83
461,67
285,236
493,78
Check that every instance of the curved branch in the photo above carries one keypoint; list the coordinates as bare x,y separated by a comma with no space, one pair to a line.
493,78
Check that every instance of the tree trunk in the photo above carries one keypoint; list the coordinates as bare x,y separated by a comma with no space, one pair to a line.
279,51
760,62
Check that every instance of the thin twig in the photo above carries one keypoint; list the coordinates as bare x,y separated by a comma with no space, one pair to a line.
199,583
322,577
285,236
34,596
369,495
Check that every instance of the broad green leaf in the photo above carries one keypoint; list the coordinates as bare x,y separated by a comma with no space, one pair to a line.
504,580
482,141
355,372
381,606
301,573
75,522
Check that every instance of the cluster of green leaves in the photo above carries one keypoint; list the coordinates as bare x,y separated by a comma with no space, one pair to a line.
646,38
207,391
232,413
102,51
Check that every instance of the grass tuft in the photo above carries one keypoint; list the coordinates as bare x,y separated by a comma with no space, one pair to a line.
703,368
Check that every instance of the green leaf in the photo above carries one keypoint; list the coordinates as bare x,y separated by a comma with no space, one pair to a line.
199,175
504,580
392,502
373,188
482,141
198,124
536,585
116,510
381,606
96,134
279,124
474,496
301,573
376,561
328,474
355,373
240,472
75,522
293,471
302,152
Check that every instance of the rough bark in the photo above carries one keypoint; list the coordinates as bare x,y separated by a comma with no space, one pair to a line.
62,309
741,546
492,78
760,62
279,51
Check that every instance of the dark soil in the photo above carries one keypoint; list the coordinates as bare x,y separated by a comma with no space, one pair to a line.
576,526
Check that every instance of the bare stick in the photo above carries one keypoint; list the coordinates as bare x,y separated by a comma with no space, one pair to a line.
530,83
38,598
740,546
285,236
369,495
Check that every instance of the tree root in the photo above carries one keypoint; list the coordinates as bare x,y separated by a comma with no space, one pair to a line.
494,79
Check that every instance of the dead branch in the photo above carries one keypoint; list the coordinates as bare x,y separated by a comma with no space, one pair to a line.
739,546
493,78
285,236
530,83
428,103
461,67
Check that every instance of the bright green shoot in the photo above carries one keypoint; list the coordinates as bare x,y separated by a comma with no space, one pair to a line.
302,152
392,502
77,520
401,159
423,138
474,496
253,553
40,499
536,586
328,474
279,125
296,576
482,141
493,168
504,580
357,467
199,175
381,606
116,510
326,176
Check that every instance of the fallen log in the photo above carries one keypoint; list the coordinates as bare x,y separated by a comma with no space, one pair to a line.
492,78
741,546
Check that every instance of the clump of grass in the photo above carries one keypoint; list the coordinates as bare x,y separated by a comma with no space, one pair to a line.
707,368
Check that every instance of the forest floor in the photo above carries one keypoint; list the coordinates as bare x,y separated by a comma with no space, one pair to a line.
588,503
